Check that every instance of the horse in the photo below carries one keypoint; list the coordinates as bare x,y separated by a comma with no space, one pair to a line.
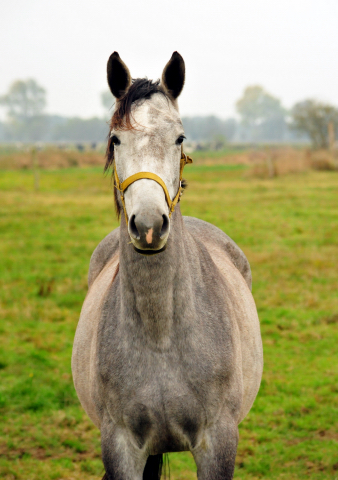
167,354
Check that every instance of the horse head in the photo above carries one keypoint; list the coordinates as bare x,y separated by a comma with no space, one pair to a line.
145,150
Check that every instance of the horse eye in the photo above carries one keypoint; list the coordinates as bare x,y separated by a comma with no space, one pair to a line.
115,140
180,140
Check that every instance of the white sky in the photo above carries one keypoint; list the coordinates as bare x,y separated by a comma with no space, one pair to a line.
288,46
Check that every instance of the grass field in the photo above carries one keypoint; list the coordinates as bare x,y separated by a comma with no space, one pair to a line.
288,228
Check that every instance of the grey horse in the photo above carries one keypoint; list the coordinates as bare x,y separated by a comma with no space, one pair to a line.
167,354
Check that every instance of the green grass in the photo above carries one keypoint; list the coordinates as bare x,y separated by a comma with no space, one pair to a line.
287,227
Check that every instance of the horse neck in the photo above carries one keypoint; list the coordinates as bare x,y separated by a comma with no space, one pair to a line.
153,287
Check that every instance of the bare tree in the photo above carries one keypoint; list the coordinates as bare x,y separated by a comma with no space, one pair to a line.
314,118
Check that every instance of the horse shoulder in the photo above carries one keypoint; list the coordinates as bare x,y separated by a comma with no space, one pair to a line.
211,235
103,270
105,250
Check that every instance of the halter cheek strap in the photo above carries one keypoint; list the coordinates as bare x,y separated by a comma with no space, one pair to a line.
122,187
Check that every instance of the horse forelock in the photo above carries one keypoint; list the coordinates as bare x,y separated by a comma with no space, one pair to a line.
140,89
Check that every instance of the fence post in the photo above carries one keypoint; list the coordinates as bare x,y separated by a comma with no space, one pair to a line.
36,172
270,163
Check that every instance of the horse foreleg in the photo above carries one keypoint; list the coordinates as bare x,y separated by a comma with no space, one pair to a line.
216,453
121,458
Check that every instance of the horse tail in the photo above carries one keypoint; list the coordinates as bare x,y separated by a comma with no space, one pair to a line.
153,468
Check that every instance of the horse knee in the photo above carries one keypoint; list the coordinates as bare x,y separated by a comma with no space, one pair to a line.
215,456
122,461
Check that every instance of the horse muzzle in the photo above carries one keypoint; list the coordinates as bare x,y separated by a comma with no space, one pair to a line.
149,231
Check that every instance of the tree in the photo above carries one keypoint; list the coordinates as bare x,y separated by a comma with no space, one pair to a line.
313,118
24,100
261,114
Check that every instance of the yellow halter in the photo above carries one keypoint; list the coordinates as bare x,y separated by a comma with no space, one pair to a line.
122,187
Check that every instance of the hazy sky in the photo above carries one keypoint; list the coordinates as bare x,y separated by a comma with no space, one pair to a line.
288,46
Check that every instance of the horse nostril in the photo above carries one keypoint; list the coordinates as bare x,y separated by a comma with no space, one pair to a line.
133,229
165,226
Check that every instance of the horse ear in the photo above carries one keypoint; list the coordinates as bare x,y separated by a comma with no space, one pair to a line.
118,75
173,75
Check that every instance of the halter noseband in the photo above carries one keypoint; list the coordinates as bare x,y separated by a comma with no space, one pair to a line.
122,187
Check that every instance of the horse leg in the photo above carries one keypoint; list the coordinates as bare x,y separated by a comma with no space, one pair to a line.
121,458
216,453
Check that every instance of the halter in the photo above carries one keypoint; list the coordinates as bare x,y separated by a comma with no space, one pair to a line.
122,187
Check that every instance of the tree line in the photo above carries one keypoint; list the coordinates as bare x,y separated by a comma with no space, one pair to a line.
261,118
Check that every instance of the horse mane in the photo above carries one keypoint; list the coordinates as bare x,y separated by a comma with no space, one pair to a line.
140,89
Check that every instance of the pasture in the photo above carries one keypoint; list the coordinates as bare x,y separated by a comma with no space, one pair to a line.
288,228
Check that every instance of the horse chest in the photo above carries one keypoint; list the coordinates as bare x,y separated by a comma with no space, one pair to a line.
155,398
196,351
163,394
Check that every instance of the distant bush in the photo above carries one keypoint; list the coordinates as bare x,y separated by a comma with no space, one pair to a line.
271,163
322,160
